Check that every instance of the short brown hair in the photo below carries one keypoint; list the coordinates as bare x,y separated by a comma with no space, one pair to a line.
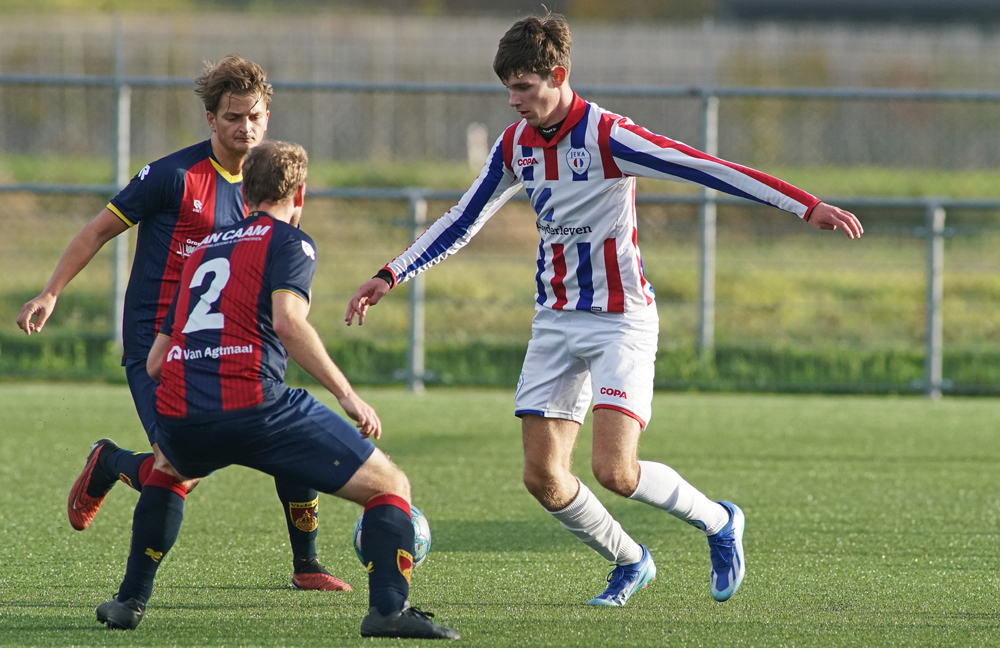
534,44
233,74
272,171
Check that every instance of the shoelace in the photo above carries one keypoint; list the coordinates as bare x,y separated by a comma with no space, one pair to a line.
418,611
721,559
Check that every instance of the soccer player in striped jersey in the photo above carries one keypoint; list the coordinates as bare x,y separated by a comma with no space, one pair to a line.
594,334
239,311
177,201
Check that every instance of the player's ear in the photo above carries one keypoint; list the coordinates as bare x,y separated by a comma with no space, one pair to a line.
211,119
559,75
300,195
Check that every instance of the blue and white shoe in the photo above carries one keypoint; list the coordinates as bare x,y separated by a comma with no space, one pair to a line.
726,549
624,580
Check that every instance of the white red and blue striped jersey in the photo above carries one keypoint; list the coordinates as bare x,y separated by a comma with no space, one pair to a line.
582,187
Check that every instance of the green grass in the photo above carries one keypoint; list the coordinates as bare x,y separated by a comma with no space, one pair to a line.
870,521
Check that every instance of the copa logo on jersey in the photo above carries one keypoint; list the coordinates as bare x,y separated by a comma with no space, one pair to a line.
609,391
523,162
578,160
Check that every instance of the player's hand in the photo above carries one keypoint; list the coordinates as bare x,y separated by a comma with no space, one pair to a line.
364,414
368,294
41,306
828,217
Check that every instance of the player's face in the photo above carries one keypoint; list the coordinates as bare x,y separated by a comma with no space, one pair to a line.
534,98
240,123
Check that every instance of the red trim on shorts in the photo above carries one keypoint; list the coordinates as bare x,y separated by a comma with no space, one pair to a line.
160,479
389,500
624,411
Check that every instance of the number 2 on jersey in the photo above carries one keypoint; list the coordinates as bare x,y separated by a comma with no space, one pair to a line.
201,317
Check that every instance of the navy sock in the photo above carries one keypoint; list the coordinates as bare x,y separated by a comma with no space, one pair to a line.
155,525
387,549
131,468
301,506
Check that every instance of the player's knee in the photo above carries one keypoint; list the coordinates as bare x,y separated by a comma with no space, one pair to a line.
616,479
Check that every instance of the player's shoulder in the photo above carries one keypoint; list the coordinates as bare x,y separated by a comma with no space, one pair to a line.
176,164
291,238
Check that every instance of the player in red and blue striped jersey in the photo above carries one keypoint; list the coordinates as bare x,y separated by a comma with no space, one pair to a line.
594,335
243,298
176,202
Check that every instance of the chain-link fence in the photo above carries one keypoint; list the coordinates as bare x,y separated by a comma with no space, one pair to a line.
793,309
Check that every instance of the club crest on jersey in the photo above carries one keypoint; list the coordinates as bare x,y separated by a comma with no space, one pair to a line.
578,160
175,353
198,206
144,173
404,560
304,515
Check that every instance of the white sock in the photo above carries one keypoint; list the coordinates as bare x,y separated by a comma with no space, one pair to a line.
662,487
587,519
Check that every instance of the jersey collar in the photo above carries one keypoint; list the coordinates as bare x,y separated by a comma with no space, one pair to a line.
531,137
227,176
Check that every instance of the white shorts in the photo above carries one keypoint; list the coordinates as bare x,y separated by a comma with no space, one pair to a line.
576,355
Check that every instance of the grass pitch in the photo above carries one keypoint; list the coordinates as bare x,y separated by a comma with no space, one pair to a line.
870,522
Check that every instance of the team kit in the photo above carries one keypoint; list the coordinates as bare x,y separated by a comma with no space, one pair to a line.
221,287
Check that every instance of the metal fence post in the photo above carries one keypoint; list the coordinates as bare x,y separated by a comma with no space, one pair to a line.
705,338
415,346
935,295
123,113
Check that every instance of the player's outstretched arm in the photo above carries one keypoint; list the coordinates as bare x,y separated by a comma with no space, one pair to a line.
367,295
300,339
828,217
75,258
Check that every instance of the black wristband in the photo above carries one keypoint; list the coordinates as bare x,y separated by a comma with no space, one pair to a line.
385,276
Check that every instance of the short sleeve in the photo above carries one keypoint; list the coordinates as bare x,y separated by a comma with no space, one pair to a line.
147,194
294,264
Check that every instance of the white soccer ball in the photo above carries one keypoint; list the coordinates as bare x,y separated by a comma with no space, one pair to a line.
421,537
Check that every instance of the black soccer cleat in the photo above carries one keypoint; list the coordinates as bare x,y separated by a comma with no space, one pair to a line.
120,615
408,623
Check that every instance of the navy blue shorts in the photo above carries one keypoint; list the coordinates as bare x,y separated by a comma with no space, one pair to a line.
297,438
143,390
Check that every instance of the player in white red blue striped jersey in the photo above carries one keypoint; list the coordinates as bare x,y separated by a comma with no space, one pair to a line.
595,330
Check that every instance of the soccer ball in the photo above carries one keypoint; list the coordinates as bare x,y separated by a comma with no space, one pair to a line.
421,537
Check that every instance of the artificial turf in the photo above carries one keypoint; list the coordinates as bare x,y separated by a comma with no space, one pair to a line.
871,521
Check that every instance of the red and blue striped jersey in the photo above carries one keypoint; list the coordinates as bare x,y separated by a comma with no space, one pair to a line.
582,187
176,201
224,354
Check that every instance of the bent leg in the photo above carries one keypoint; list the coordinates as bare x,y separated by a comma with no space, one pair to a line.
386,531
548,448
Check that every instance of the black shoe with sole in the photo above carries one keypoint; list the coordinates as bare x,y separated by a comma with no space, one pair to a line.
408,623
120,615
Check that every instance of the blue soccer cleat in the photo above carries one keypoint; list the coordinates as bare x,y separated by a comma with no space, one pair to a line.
726,549
624,580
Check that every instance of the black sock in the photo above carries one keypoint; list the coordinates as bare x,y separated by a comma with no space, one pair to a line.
387,549
131,468
301,506
155,525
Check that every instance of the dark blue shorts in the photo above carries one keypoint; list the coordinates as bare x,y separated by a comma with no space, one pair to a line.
297,438
143,390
